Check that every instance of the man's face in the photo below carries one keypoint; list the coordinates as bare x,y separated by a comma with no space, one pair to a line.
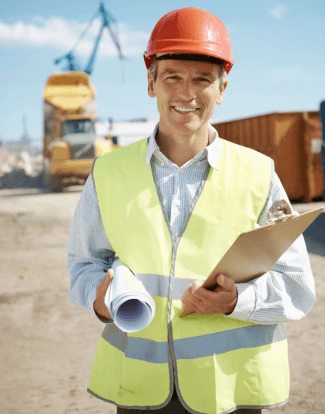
186,93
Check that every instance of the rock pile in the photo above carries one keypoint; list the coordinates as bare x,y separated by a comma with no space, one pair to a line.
20,170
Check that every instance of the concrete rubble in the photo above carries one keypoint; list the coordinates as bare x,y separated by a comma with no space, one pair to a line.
20,170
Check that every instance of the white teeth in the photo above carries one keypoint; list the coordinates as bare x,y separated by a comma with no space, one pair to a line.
185,109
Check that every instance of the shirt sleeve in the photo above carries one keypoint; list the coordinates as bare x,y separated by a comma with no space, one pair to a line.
287,291
90,254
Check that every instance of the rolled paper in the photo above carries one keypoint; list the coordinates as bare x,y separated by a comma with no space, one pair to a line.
127,300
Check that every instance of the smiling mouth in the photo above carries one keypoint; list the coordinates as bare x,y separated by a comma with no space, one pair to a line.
184,110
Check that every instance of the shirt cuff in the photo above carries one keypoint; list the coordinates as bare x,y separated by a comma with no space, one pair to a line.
91,300
102,318
246,302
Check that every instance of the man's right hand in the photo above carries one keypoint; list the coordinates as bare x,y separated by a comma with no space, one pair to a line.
101,290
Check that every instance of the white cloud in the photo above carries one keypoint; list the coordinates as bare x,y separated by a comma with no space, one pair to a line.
63,34
279,11
292,73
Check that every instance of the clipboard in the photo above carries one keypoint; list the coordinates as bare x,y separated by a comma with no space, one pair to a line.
254,252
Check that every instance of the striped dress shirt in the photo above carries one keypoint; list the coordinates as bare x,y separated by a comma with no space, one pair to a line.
285,293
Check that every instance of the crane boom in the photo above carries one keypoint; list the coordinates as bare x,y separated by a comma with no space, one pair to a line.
107,19
91,61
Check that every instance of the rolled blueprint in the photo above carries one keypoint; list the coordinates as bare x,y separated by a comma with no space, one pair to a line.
127,300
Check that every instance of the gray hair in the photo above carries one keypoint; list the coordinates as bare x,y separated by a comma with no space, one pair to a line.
153,70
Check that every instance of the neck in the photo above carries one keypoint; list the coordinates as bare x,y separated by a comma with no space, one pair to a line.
182,147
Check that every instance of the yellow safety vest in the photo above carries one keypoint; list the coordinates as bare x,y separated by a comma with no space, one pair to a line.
217,362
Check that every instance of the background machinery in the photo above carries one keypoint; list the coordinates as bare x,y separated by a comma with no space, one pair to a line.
70,143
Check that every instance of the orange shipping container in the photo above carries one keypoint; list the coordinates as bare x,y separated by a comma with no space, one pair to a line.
293,140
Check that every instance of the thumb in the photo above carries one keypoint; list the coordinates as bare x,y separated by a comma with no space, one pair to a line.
107,279
109,275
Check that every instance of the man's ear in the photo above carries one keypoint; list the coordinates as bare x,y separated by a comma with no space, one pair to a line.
151,86
221,88
224,85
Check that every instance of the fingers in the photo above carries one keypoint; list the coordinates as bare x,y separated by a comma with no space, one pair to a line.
101,290
189,301
222,299
203,299
196,285
225,281
198,299
195,297
189,305
104,284
197,293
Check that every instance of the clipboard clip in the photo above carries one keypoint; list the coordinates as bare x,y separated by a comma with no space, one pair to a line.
279,212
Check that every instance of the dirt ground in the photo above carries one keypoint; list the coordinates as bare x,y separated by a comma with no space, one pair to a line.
47,344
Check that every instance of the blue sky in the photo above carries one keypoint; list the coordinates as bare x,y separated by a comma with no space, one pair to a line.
278,49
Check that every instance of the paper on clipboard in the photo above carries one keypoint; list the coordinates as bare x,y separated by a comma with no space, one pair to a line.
254,252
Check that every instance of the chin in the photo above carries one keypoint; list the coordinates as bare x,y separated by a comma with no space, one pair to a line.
185,123
188,127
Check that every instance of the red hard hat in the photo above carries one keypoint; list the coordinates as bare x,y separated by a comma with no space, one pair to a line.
190,30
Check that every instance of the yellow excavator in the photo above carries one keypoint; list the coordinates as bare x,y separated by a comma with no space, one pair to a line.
70,142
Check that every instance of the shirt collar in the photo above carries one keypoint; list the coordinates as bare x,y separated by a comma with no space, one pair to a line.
212,150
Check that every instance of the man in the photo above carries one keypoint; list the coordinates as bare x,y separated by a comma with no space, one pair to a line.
169,207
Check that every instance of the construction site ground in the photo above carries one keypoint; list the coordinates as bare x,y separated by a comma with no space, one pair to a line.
47,344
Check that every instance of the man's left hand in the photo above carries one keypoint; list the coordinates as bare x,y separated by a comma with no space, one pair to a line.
198,299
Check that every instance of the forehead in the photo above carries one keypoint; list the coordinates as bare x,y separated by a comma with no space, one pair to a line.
187,66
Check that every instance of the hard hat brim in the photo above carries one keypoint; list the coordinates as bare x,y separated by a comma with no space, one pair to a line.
148,59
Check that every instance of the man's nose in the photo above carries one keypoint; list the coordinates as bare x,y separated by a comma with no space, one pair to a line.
186,90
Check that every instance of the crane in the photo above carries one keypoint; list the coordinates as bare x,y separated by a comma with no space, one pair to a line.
107,19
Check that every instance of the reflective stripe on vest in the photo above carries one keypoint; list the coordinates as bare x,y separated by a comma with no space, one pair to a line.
195,347
218,363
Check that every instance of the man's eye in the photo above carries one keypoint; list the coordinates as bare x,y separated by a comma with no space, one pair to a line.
204,80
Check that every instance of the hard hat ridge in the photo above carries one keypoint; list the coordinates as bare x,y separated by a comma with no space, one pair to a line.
190,31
